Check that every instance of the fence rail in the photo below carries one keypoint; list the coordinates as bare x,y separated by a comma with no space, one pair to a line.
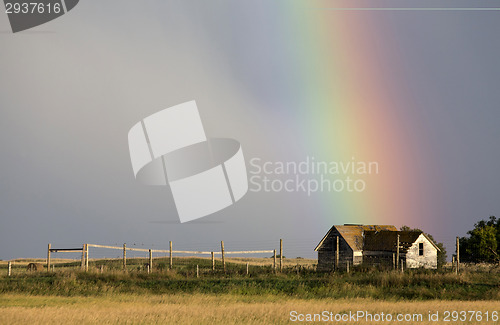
168,251
85,254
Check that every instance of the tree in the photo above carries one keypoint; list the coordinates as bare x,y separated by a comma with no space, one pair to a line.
482,244
441,254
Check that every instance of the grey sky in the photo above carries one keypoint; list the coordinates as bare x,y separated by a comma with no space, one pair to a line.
71,89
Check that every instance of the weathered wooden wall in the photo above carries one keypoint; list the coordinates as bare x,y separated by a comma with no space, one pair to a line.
378,258
428,260
327,253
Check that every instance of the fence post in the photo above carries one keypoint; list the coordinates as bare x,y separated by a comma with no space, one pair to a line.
393,261
9,269
247,268
213,262
347,267
223,259
150,260
337,254
170,254
274,263
397,253
83,257
281,255
458,256
124,257
48,258
197,271
86,257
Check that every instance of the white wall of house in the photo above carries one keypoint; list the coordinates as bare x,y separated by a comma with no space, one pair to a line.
357,257
414,257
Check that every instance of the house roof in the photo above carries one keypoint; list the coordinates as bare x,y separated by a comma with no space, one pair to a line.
353,234
387,240
375,237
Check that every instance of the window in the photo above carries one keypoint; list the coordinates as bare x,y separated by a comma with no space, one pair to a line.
421,249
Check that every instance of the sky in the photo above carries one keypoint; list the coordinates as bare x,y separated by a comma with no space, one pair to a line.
415,91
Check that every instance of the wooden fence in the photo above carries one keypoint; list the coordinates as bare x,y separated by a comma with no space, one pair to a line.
86,256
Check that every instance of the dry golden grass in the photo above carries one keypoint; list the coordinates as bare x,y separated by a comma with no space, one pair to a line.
304,262
202,309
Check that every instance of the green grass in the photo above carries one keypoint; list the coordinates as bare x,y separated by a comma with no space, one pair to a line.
307,284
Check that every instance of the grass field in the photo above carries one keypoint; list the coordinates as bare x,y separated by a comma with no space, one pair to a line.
162,262
212,309
177,296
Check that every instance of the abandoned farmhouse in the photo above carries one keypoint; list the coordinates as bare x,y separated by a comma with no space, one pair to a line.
375,245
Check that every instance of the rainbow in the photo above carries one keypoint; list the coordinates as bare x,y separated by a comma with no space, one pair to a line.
348,96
